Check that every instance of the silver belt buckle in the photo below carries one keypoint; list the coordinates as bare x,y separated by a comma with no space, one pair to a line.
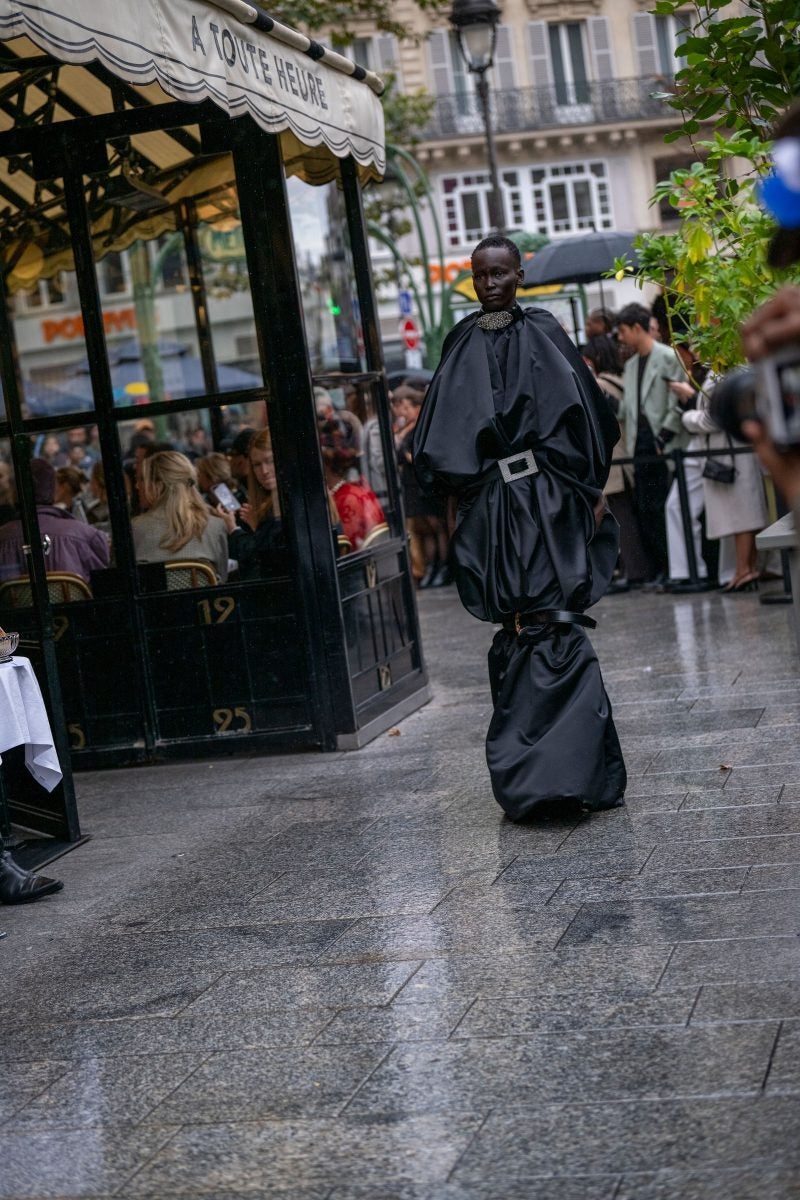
517,466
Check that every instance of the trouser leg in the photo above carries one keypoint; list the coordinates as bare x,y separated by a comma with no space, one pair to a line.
651,487
676,541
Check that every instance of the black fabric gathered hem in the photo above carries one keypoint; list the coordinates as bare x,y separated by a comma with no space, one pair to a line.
552,738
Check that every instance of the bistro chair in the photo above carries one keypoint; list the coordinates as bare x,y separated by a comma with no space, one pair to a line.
191,573
379,534
63,587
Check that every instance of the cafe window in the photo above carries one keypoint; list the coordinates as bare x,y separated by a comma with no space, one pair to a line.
331,311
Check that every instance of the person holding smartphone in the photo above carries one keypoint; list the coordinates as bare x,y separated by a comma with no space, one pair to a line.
255,528
217,484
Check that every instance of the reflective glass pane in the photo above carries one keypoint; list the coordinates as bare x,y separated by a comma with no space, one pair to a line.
45,314
327,279
230,304
353,463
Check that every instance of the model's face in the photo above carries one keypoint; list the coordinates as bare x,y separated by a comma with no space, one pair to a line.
496,277
263,464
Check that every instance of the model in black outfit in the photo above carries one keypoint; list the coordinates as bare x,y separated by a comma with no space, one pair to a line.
515,424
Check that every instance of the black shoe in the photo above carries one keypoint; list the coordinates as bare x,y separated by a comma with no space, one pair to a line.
428,577
20,887
442,577
617,587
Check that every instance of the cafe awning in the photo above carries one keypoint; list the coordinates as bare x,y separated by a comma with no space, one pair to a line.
227,51
62,60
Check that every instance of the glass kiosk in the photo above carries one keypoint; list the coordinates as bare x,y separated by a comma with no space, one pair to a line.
185,259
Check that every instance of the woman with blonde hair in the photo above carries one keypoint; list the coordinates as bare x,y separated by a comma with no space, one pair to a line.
178,524
256,528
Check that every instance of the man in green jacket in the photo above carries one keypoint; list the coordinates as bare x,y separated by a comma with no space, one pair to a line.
652,423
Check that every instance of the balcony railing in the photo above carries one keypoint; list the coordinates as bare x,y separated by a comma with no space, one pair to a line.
521,110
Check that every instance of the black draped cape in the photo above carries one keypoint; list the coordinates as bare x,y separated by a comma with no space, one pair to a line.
529,545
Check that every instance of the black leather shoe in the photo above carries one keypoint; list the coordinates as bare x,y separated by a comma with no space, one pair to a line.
442,578
20,887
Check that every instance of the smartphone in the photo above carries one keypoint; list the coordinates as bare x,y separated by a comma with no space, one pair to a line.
226,497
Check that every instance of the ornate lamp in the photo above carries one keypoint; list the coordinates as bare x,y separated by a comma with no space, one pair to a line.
475,23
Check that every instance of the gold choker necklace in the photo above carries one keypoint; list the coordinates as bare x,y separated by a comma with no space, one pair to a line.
495,320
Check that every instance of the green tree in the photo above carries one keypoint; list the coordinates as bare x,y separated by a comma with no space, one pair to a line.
737,74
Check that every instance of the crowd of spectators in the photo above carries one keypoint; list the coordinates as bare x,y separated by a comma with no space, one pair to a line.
189,501
660,394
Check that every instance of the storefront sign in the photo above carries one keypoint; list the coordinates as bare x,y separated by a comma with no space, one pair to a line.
452,269
67,329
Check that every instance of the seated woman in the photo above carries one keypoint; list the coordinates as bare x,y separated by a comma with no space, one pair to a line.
178,524
97,511
213,469
356,504
70,483
256,529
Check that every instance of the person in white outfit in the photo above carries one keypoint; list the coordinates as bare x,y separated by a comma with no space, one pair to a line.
737,508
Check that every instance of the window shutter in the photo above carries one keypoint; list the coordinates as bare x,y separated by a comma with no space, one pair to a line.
504,75
600,46
539,51
438,49
387,56
644,38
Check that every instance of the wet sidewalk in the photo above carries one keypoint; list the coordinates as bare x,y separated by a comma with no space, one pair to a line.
349,978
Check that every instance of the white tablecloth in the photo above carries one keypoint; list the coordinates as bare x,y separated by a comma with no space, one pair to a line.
23,722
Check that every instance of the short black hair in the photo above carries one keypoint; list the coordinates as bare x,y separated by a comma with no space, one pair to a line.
496,240
634,314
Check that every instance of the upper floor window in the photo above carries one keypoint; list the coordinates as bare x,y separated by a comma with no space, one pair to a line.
380,54
669,32
567,56
570,198
656,40
553,199
47,293
449,73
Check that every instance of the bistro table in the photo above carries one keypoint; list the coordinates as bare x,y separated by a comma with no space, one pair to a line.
24,722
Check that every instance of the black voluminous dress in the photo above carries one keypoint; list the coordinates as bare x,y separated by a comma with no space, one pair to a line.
530,546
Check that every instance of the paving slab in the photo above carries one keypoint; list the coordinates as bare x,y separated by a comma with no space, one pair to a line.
350,977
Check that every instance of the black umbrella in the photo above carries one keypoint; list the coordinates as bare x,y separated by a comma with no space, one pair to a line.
584,259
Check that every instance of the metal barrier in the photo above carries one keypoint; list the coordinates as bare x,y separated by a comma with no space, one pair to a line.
678,458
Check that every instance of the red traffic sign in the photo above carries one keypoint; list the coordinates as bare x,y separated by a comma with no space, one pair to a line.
409,332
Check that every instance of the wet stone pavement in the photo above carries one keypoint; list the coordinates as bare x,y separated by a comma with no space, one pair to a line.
350,978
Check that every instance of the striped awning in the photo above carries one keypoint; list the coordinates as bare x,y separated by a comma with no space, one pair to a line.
62,60
226,51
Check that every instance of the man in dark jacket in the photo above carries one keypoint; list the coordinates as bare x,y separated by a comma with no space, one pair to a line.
74,546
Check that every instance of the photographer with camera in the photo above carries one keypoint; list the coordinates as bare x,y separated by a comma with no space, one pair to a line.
771,329
762,402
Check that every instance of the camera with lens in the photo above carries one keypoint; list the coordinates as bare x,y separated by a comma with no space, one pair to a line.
768,392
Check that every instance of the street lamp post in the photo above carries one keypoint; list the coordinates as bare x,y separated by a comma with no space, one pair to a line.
475,23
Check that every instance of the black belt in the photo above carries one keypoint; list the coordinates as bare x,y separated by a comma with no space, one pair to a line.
549,616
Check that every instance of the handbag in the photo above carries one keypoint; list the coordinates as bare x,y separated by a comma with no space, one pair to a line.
720,472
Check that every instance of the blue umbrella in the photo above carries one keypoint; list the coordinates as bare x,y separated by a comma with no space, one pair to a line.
41,400
182,373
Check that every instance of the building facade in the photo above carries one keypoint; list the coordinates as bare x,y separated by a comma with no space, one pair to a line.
578,123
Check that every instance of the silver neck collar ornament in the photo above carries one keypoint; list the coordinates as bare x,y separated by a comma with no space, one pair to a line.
495,320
